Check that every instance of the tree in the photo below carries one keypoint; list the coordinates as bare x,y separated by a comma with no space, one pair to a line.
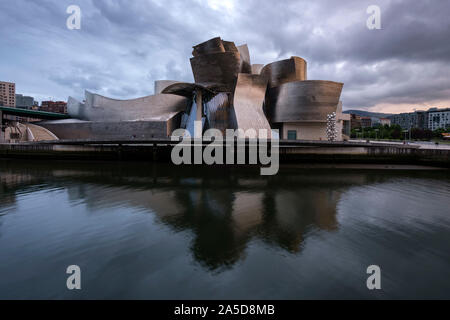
396,131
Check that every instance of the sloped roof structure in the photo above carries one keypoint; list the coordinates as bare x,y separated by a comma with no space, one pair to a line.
100,108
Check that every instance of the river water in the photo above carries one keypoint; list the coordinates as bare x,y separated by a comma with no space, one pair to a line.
143,231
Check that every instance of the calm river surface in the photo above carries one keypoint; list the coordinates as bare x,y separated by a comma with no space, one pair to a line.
161,232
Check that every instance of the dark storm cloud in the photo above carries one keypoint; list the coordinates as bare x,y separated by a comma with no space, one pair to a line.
123,46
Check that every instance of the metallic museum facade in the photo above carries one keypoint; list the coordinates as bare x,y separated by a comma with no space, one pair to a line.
228,92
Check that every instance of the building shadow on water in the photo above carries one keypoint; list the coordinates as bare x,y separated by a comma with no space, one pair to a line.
223,208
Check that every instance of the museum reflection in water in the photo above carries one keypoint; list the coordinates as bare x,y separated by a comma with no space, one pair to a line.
224,208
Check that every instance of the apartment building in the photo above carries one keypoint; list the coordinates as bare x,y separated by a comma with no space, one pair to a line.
7,94
438,118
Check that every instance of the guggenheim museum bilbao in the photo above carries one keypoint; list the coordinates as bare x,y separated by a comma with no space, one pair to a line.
228,93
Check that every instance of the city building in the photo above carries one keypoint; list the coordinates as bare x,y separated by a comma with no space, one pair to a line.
438,118
7,94
25,102
346,131
421,119
355,121
385,121
343,122
375,121
54,106
405,120
366,122
416,119
28,103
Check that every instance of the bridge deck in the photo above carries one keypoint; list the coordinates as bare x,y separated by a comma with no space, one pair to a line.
32,113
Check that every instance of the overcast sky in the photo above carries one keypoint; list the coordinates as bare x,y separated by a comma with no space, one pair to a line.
123,46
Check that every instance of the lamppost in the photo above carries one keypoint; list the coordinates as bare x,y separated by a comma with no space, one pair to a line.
376,134
405,132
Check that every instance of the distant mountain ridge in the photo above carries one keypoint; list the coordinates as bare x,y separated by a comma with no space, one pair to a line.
363,113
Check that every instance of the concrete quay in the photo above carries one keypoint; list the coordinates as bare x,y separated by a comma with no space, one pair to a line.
289,151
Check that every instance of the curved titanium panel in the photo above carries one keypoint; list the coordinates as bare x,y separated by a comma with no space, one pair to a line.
279,72
229,46
160,85
187,89
246,66
310,100
221,68
248,103
217,111
213,45
256,68
156,107
76,109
